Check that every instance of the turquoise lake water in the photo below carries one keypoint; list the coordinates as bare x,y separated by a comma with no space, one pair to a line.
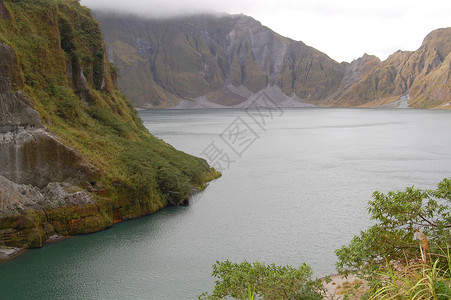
295,187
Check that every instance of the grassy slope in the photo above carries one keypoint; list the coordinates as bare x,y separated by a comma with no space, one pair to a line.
139,174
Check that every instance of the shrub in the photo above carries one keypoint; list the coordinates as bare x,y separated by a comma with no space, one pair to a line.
266,281
399,215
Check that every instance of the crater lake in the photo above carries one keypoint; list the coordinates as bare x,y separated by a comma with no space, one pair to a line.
295,187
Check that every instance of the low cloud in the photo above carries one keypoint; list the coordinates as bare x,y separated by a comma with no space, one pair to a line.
342,29
171,8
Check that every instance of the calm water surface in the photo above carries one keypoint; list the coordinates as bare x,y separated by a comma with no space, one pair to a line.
295,195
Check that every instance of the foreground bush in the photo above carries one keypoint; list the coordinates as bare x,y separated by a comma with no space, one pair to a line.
401,218
405,255
260,281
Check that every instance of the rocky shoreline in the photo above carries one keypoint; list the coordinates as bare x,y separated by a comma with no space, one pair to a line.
7,253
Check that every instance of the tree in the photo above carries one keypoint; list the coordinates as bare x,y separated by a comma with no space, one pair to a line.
264,281
400,217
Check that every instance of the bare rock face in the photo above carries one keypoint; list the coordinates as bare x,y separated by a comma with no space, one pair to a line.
9,72
60,194
162,62
30,154
422,75
36,157
16,198
15,108
16,111
4,13
435,85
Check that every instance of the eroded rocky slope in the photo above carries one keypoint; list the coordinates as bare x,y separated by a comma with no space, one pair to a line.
422,75
224,59
164,61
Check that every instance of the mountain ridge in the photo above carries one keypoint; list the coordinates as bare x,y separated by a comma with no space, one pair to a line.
209,53
165,61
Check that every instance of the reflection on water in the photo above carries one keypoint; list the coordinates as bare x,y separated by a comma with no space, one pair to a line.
295,195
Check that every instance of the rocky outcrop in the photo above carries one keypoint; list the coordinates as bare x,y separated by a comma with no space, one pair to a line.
19,198
35,156
29,216
30,154
4,12
16,198
433,89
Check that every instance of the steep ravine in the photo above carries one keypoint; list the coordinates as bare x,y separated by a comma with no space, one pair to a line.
74,155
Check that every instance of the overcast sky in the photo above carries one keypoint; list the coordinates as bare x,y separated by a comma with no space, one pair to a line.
343,29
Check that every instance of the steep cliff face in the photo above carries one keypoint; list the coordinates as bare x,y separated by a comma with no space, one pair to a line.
32,161
420,74
353,74
164,61
432,87
74,156
29,153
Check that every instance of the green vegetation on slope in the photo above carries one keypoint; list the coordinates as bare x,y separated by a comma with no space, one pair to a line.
64,71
